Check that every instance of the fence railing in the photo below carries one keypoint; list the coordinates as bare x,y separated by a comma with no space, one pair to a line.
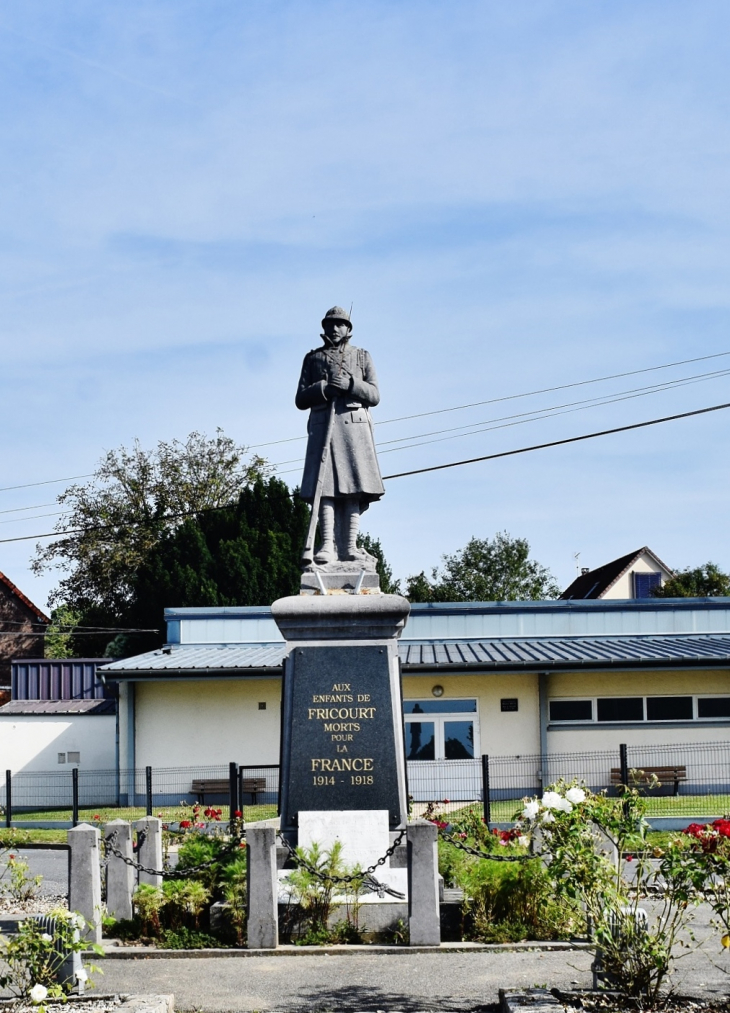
690,779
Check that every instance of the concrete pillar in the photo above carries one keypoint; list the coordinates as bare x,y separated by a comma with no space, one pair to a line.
149,832
263,889
424,917
120,877
84,893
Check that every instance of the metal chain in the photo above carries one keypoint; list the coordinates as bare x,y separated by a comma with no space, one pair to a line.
483,854
167,872
366,875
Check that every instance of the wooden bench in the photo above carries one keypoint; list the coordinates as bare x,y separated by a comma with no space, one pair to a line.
643,776
252,786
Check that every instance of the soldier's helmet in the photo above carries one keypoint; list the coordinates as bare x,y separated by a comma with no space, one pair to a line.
337,313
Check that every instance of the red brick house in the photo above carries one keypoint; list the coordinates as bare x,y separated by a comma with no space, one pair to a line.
22,625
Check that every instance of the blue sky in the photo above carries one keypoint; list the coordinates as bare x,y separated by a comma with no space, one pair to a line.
513,196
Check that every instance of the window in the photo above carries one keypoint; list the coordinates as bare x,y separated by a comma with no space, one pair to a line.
620,708
639,708
644,582
446,734
74,757
669,708
61,757
713,706
571,710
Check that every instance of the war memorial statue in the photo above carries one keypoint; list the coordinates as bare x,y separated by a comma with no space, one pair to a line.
341,476
342,758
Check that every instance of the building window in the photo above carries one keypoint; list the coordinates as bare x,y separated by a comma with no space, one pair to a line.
446,734
571,710
61,757
74,757
620,708
669,708
713,706
644,582
639,708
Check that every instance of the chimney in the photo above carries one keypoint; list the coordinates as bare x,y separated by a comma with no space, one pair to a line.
584,570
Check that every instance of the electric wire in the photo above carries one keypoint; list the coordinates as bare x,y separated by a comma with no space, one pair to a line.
557,443
420,471
537,415
512,397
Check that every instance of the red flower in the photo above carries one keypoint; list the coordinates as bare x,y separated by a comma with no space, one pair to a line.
445,801
96,816
243,844
184,824
11,858
629,858
237,813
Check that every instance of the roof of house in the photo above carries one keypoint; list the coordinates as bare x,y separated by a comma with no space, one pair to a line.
596,582
503,654
18,708
25,600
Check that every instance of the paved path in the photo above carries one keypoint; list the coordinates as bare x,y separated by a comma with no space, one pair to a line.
455,982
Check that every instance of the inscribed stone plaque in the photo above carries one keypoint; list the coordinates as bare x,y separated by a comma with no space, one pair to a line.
341,751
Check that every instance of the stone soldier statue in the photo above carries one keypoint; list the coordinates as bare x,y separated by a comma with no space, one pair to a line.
338,385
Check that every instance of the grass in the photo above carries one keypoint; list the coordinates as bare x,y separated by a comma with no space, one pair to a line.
169,814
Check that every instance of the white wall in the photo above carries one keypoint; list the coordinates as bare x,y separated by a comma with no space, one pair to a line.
624,586
33,742
183,724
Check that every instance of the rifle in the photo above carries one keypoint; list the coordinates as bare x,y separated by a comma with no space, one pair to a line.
308,554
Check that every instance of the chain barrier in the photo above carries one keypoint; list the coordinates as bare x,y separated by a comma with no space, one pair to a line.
365,877
168,872
479,853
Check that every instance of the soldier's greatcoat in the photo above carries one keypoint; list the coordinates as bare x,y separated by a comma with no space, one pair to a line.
352,467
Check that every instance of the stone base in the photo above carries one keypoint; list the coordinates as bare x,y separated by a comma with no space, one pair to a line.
340,578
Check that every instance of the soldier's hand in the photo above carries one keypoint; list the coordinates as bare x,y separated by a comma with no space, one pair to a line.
338,384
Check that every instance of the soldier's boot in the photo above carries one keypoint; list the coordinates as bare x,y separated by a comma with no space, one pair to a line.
327,553
354,552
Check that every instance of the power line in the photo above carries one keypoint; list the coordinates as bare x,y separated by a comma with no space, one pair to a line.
17,510
536,415
512,397
49,481
34,517
417,471
557,443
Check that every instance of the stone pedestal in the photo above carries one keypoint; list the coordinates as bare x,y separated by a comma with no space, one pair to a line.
423,884
342,730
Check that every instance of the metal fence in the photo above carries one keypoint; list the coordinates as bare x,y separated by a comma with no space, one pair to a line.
690,779
70,794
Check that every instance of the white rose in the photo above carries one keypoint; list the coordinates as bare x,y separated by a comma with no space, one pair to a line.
564,806
547,817
523,841
531,809
82,975
551,800
46,938
77,920
38,993
575,795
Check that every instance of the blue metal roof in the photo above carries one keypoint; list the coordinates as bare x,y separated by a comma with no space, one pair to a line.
504,654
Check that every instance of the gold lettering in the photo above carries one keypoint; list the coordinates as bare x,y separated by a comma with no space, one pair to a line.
363,698
350,726
341,687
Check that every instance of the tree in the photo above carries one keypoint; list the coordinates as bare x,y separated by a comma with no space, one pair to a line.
484,570
135,498
112,522
59,635
707,581
245,554
385,571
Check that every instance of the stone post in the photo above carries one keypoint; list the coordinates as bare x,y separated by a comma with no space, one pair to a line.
84,894
424,920
263,889
120,877
149,853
